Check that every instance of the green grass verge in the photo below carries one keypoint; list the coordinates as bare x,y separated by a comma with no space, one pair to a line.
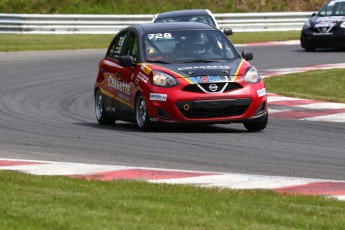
326,85
248,37
26,42
50,202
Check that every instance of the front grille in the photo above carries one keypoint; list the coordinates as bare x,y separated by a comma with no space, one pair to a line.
232,86
229,86
324,29
213,109
214,113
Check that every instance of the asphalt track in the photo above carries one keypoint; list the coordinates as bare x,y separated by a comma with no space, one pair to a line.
46,113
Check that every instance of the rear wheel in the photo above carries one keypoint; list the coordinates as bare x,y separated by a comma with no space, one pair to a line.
256,126
141,114
102,117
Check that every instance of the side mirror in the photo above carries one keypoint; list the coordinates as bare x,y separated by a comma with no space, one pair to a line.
313,14
227,31
247,55
127,60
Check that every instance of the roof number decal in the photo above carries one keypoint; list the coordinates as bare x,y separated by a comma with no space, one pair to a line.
159,36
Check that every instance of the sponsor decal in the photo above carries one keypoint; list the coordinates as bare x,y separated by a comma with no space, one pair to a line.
207,79
143,77
214,97
118,85
158,97
261,92
322,34
205,67
331,19
145,69
118,98
123,96
324,24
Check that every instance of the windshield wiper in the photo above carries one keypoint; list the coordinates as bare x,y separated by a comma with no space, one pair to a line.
202,60
158,61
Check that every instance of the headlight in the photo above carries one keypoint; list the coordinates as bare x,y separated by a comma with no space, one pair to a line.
342,25
252,75
306,24
163,79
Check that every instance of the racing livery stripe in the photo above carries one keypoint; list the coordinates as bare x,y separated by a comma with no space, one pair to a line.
169,70
105,92
187,79
184,77
238,70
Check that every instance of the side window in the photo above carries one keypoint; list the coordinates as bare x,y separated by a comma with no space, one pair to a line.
131,47
116,46
340,9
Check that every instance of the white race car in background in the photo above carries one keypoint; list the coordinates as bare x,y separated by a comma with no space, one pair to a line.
204,16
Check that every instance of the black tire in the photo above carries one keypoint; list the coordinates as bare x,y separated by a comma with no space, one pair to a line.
141,115
309,49
256,126
101,115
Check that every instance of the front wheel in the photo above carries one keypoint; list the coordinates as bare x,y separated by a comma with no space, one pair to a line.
102,117
256,126
141,115
309,49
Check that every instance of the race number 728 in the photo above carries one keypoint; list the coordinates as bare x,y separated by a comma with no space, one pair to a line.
159,36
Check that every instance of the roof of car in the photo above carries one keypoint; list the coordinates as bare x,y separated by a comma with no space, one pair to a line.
159,27
182,13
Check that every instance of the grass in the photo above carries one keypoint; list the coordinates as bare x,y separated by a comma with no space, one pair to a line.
50,202
26,42
248,37
326,85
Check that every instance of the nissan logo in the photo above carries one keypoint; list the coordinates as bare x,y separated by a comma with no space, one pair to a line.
213,87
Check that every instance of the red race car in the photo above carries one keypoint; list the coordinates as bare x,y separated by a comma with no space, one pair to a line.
185,73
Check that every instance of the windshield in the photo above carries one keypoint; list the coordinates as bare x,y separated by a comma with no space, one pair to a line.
333,8
188,46
193,18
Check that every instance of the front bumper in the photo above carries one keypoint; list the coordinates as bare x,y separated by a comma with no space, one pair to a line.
213,108
185,107
312,39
